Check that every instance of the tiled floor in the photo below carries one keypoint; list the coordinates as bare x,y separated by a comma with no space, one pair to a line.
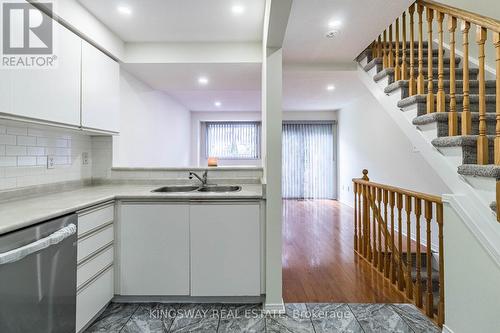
299,318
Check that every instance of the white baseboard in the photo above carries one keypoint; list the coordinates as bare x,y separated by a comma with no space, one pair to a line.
274,308
446,329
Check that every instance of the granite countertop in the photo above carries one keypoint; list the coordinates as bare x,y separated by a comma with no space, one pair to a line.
21,213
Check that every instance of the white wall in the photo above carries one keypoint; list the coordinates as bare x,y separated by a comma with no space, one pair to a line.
155,129
471,279
368,138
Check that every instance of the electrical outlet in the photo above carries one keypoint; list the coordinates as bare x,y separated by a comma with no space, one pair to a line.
51,164
85,158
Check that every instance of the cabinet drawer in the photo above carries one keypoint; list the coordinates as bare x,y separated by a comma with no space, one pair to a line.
95,242
93,298
94,266
92,220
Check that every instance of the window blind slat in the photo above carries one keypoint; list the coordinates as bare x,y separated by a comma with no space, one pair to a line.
234,140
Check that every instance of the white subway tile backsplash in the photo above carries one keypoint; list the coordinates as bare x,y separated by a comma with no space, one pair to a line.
26,161
8,161
42,142
26,141
61,143
35,151
41,160
24,149
15,150
7,139
17,130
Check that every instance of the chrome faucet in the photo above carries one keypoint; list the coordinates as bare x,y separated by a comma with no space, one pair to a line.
203,179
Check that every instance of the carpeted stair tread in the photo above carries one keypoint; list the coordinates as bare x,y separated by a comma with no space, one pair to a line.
473,73
459,141
473,98
473,84
489,170
441,120
493,206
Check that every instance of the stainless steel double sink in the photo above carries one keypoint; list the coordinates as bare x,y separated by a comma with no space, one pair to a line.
207,188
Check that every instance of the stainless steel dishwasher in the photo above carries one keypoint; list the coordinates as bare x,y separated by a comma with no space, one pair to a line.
38,278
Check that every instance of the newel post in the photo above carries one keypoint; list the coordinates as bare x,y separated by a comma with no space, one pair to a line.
365,175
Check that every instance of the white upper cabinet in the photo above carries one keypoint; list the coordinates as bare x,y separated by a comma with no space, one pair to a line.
5,91
51,94
100,90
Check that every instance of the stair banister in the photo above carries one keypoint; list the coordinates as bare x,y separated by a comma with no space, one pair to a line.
390,251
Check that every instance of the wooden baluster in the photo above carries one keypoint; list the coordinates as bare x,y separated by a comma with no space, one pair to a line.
391,52
385,58
374,257
409,281
482,140
404,65
400,241
393,234
439,218
356,238
420,78
366,216
430,59
360,220
379,47
452,116
418,283
397,68
496,41
441,96
466,115
429,297
386,238
379,227
412,84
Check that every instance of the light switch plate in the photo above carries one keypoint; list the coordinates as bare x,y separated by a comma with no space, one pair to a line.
51,162
85,158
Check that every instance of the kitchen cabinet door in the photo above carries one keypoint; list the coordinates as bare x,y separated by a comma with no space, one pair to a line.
154,249
225,249
100,90
51,94
6,90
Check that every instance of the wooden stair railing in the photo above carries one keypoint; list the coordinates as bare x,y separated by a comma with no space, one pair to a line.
421,81
393,231
451,16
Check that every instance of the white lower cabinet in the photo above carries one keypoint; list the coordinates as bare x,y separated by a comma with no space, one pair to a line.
154,249
93,297
95,270
225,249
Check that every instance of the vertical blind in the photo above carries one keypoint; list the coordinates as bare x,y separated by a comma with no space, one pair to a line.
233,140
308,161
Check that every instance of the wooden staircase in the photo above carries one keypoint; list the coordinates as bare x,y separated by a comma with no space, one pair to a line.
462,101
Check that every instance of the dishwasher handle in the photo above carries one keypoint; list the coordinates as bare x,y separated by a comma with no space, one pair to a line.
26,250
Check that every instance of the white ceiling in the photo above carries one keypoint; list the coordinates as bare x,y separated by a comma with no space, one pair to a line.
236,86
181,20
306,90
361,21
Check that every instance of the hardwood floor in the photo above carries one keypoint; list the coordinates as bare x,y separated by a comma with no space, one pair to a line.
319,263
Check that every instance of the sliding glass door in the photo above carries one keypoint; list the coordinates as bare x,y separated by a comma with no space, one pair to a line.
308,161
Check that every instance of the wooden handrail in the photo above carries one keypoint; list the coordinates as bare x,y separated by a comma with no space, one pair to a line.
480,20
386,218
418,195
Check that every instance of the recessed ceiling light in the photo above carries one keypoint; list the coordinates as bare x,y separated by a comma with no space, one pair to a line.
218,104
330,87
203,80
238,9
334,24
124,10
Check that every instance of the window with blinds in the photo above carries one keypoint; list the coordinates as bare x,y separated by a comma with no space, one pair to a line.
233,140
